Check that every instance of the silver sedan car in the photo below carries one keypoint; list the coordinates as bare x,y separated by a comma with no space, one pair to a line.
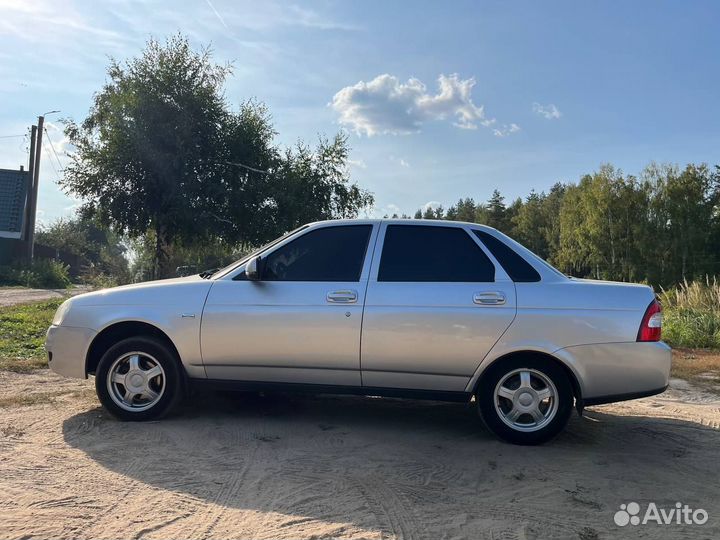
410,308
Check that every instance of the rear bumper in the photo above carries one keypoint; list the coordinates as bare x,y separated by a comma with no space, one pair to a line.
67,348
611,372
600,400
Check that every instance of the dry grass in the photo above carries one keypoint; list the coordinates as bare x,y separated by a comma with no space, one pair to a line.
23,365
42,398
692,314
23,400
699,366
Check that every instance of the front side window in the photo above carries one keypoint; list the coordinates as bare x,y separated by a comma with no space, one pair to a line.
432,254
326,254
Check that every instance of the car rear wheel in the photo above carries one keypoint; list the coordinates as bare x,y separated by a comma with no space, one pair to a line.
139,379
525,400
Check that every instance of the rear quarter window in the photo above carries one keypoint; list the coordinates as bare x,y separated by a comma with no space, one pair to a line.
516,267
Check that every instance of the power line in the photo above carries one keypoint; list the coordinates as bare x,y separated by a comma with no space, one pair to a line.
11,136
51,162
52,145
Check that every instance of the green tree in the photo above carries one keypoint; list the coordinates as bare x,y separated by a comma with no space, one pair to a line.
497,212
161,154
102,249
551,209
150,144
685,216
433,213
463,210
529,224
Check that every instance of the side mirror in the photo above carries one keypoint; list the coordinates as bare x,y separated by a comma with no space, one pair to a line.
252,269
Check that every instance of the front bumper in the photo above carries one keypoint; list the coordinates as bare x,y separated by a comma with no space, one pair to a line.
67,348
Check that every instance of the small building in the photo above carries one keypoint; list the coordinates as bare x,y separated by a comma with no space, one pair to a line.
14,188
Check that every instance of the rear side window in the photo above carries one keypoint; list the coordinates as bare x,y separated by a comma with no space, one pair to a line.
516,267
327,254
439,254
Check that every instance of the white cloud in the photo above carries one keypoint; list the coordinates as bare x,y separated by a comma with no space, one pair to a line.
549,111
506,130
433,205
387,105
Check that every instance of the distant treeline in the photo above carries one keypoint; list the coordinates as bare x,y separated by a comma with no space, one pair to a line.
661,227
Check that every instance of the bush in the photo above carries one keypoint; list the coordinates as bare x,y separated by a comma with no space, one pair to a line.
41,273
9,275
692,314
98,279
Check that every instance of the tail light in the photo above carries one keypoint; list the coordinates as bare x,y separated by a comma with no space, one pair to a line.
651,325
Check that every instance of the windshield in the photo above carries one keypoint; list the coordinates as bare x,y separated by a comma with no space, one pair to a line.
230,267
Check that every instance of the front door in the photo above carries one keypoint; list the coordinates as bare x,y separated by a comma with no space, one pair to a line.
300,323
436,304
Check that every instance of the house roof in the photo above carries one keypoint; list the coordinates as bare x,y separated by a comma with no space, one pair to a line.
13,192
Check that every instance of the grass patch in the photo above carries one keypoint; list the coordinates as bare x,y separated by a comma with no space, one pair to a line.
43,398
24,400
22,335
691,314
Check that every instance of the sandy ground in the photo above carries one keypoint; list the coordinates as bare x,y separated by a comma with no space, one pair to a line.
9,296
281,466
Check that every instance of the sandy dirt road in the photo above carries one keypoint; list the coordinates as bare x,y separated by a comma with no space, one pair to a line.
281,466
10,296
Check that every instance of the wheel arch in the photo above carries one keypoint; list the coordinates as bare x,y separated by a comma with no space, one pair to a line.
118,331
571,375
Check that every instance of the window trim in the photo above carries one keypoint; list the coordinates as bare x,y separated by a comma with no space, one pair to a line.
476,233
499,272
307,229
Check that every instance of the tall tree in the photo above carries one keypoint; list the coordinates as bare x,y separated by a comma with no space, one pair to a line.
150,144
497,212
161,152
529,224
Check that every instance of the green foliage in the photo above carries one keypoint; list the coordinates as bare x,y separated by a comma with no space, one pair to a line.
101,248
189,258
662,227
691,314
41,274
161,151
22,335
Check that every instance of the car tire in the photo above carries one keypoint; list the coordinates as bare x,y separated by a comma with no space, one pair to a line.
139,378
525,400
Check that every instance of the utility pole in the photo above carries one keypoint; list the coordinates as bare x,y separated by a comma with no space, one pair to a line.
27,236
35,181
34,174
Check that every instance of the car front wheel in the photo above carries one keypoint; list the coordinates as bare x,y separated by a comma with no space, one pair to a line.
139,379
525,400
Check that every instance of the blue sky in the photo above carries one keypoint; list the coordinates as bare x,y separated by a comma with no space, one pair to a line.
440,100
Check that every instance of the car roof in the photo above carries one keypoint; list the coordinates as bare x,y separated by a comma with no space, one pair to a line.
403,221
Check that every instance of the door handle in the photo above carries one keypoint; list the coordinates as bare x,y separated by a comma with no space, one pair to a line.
342,297
489,298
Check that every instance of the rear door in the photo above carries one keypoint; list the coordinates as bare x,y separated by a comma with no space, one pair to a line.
436,304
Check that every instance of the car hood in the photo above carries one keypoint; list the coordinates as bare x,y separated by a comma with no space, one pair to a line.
163,291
